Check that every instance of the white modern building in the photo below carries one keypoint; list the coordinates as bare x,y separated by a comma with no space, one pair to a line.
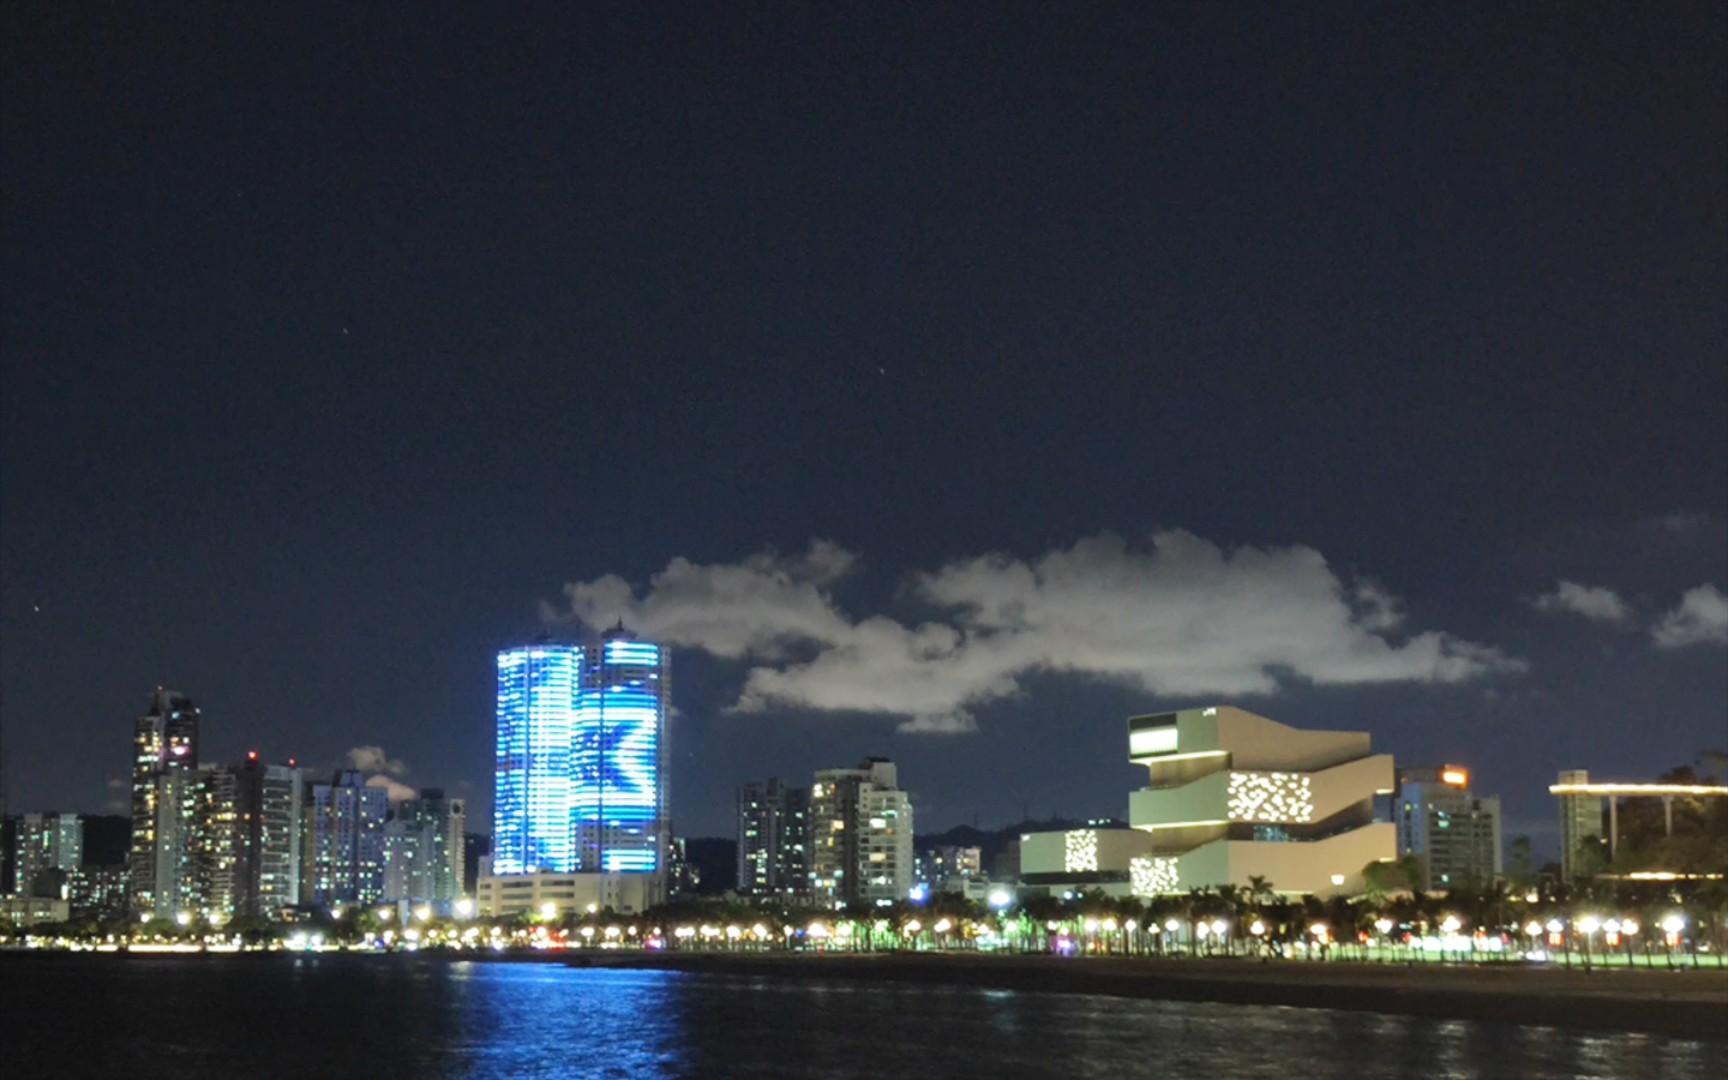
1234,797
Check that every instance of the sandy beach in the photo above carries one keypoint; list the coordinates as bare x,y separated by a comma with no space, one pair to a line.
1681,1003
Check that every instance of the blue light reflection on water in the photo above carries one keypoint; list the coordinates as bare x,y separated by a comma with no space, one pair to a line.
384,1017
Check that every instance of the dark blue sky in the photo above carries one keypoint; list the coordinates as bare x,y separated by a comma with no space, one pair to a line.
332,347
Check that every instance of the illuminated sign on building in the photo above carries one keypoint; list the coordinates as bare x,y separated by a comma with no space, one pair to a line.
1455,776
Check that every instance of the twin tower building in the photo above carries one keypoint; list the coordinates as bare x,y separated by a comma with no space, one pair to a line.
579,797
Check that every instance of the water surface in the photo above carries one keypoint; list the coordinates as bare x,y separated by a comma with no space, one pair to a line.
382,1017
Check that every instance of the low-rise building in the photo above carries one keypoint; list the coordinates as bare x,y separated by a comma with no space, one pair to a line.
550,895
22,911
1071,861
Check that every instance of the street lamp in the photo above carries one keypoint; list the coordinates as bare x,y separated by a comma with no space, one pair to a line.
1319,930
1671,927
1384,926
1588,926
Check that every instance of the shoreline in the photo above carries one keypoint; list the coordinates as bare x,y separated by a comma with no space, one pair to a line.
1677,1004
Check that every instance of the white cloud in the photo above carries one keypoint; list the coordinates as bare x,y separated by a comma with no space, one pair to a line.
1701,617
753,608
373,759
398,792
1180,617
1594,602
1682,522
955,723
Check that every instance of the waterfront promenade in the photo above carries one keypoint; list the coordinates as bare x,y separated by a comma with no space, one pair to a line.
1687,1004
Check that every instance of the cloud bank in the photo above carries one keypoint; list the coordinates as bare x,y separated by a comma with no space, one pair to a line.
1178,617
1594,602
373,759
1700,618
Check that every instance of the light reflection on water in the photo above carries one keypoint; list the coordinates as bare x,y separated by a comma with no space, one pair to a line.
382,1017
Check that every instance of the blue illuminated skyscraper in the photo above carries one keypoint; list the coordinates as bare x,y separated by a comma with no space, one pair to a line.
580,758
532,806
620,800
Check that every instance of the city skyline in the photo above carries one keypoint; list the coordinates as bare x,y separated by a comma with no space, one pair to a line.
939,389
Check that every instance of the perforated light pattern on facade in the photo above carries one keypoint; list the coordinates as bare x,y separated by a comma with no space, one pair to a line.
1080,852
1272,797
1152,875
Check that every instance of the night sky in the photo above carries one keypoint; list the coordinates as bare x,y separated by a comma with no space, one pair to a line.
942,383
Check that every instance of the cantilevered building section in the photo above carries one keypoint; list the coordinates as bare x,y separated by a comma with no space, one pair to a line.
1234,796
1581,801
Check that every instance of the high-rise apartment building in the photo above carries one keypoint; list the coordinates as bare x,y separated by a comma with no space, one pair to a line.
245,842
581,752
164,795
270,812
50,848
860,835
422,851
773,840
345,856
214,843
1454,835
